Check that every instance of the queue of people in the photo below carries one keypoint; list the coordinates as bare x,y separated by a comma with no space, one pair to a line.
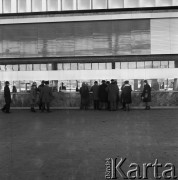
105,96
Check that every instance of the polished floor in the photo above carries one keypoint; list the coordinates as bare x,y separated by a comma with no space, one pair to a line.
73,144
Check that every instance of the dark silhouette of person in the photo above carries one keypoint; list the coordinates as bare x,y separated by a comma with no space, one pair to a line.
7,96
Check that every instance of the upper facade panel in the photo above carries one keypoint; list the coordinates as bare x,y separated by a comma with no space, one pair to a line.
23,6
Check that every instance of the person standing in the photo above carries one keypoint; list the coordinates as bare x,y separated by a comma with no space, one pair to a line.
113,92
39,90
146,95
85,96
33,97
103,95
126,95
46,96
95,90
7,96
122,100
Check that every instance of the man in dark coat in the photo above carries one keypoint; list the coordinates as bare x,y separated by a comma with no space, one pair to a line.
103,95
7,96
113,92
95,90
46,96
39,90
126,95
85,96
146,95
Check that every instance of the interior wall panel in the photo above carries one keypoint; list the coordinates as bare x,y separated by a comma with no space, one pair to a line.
160,36
93,38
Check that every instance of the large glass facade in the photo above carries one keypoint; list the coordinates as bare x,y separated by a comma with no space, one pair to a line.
20,6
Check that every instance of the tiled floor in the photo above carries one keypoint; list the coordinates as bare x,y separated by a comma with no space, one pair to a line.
73,144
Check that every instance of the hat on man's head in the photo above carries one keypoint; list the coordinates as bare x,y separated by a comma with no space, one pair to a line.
145,81
126,82
46,82
103,81
7,82
112,80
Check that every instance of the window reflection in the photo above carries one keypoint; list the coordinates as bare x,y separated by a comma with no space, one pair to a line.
22,67
74,66
99,4
36,5
171,64
52,5
68,4
108,65
9,68
95,66
164,64
29,67
81,66
148,64
43,67
102,66
132,65
117,65
15,67
140,65
84,4
59,66
21,5
66,66
116,3
87,66
124,65
36,67
156,64
7,6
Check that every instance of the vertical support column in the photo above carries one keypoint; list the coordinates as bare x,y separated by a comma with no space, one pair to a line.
74,4
13,6
29,5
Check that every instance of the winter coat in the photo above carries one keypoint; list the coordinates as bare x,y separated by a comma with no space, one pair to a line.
126,94
103,95
46,94
113,92
85,96
33,95
146,94
95,90
7,94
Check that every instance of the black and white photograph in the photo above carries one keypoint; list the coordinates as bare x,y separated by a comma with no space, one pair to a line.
88,89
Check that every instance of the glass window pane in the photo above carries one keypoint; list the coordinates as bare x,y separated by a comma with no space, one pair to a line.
95,66
171,64
22,5
60,66
84,4
29,67
117,65
49,67
36,5
124,65
2,68
164,64
146,3
102,66
52,5
99,4
156,64
81,66
116,4
148,64
131,3
163,2
15,67
66,66
140,65
68,4
6,6
132,65
87,66
36,67
43,67
22,67
108,65
9,68
74,66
